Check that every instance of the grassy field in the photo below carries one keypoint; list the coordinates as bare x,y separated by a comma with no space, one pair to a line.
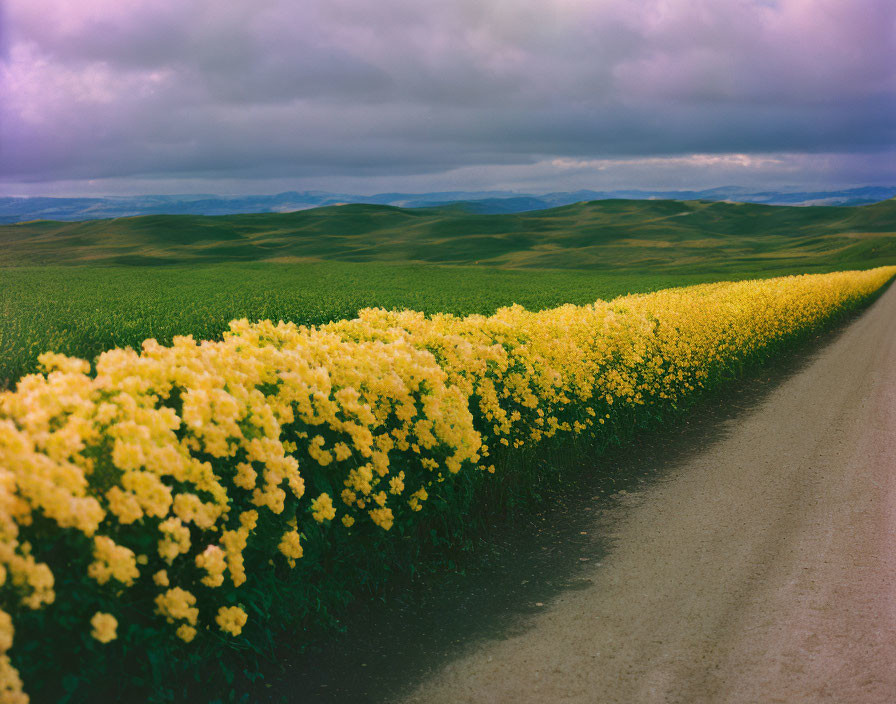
84,310
605,235
392,258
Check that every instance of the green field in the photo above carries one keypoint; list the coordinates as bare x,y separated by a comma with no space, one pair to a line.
84,310
401,259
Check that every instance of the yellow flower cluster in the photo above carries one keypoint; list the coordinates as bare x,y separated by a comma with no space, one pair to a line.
195,445
231,619
178,604
113,562
104,627
531,375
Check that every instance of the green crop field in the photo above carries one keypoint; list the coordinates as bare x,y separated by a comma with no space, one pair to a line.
84,310
403,258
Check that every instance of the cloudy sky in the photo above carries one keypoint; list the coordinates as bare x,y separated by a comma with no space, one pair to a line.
258,96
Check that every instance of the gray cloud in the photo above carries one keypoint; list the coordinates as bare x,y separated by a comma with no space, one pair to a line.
201,91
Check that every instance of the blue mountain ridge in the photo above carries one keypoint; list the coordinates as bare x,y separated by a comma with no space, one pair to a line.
26,208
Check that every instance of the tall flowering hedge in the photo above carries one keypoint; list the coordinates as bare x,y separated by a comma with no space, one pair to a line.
153,474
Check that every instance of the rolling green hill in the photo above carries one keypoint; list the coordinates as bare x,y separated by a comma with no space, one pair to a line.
659,235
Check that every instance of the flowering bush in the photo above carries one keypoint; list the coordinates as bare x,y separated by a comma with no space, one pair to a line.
152,476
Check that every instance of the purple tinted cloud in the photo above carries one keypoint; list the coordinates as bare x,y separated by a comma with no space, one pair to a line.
330,89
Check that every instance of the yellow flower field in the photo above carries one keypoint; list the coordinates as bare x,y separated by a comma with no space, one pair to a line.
160,472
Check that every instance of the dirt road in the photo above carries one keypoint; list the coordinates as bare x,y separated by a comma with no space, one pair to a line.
763,569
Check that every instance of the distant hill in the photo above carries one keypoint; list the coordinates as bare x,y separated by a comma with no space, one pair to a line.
653,235
487,202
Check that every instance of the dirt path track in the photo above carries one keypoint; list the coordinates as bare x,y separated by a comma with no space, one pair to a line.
762,570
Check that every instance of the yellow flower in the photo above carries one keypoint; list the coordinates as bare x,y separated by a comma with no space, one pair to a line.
104,627
291,546
11,683
322,508
186,633
175,539
6,632
231,619
214,562
112,562
177,604
382,517
396,484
